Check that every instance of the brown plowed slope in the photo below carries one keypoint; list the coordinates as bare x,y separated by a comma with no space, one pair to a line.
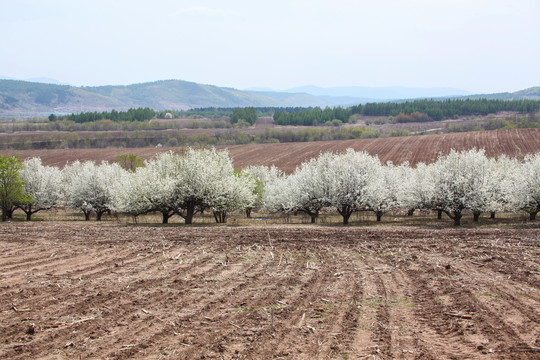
288,156
113,291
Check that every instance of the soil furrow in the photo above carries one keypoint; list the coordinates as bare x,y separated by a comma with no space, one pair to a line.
303,292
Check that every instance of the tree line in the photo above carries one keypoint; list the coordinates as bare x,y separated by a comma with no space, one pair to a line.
446,109
408,111
139,114
75,140
198,180
454,184
312,116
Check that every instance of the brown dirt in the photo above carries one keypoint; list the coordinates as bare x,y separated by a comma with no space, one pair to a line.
288,156
74,290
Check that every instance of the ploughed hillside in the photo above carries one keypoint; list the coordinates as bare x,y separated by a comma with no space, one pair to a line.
287,156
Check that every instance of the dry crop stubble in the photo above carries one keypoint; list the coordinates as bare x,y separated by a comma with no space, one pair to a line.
131,291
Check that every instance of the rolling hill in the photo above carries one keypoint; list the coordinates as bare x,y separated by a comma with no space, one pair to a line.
23,98
532,93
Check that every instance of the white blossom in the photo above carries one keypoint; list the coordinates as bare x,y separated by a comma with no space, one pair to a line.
42,185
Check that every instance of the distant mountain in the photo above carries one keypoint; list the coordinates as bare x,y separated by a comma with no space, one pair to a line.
22,98
45,80
380,93
532,93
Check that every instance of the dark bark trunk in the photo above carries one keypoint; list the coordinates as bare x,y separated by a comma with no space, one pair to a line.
532,215
476,216
312,214
345,211
28,212
248,213
190,211
9,213
492,216
456,216
379,215
99,214
410,212
439,214
165,217
86,215
220,216
4,216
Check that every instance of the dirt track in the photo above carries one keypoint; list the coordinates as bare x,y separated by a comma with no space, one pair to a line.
73,290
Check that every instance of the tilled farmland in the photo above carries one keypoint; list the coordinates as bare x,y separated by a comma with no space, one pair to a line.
287,156
116,291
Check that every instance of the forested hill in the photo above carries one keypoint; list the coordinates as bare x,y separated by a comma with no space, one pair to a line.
22,98
526,94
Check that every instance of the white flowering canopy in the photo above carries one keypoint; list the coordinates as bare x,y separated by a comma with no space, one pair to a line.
42,185
182,184
91,188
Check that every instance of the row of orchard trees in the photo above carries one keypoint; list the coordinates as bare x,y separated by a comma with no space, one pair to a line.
191,182
172,184
455,183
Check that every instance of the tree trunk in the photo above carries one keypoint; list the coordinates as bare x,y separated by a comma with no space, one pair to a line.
86,215
4,215
9,213
456,216
165,217
532,215
99,214
28,212
476,216
312,214
379,215
248,213
345,211
190,211
410,212
439,214
220,216
492,216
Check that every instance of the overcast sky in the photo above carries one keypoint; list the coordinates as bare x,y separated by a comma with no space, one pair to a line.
477,45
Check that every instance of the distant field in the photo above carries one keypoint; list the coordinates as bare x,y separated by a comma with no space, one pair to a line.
287,156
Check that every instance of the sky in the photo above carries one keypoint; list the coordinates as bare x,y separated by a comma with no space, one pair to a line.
483,46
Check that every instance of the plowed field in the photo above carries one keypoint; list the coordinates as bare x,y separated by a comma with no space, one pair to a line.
73,290
288,156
